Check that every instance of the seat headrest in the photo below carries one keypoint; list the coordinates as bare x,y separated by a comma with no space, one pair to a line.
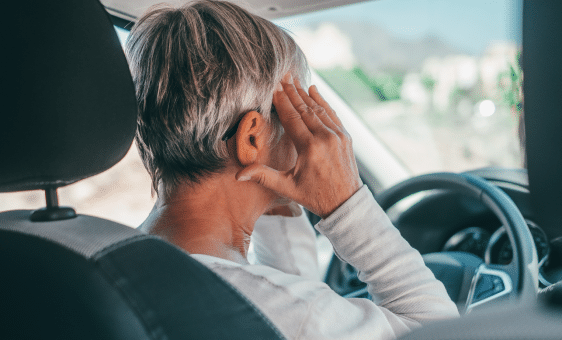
68,101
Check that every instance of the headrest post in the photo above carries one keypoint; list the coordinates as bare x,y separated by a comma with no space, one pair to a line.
51,197
52,212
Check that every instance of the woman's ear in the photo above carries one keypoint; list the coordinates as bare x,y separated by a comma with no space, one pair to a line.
251,137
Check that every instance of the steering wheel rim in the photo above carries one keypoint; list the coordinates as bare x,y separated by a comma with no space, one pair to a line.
523,269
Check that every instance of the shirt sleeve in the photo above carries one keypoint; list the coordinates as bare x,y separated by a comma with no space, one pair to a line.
363,236
287,244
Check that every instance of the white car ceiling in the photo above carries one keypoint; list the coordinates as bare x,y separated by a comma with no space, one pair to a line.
270,9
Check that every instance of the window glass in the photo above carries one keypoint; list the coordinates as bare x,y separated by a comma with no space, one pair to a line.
437,81
121,34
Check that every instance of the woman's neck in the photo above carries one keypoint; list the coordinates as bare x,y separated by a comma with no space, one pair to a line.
214,218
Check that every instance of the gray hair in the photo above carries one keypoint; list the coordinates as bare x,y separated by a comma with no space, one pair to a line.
197,69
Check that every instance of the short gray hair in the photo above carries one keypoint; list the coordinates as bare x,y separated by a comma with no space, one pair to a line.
197,69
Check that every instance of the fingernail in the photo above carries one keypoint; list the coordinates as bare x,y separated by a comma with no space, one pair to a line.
287,79
278,87
244,178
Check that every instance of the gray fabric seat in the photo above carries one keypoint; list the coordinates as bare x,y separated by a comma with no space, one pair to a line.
89,278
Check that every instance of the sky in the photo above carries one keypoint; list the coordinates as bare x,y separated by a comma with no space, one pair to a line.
469,25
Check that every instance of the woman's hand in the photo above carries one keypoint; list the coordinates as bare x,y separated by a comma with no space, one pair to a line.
325,174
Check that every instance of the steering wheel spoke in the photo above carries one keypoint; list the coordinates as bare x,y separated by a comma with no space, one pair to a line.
489,283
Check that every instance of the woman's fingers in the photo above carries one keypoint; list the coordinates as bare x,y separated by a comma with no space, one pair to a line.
321,110
305,97
306,111
267,177
316,107
291,120
314,94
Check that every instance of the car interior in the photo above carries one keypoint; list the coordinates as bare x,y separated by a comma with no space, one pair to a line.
492,235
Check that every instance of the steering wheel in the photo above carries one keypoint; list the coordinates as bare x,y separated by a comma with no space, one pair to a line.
482,282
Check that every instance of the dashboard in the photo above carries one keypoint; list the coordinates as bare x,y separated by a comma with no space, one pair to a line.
496,248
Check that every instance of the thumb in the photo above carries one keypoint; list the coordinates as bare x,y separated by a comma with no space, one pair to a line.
266,177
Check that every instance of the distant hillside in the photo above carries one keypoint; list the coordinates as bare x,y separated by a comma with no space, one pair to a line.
381,51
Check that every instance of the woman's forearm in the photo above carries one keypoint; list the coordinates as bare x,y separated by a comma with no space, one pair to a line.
363,236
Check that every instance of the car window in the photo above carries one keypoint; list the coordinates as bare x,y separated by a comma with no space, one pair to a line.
437,81
121,194
122,34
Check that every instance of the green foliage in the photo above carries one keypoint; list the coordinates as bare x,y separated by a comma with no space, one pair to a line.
385,86
510,84
349,87
428,82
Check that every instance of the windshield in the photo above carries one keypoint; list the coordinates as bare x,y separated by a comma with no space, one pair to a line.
436,81
430,79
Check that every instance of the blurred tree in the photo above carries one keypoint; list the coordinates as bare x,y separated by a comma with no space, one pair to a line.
428,82
385,86
510,83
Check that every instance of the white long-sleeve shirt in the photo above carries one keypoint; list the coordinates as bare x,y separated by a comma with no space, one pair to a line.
286,287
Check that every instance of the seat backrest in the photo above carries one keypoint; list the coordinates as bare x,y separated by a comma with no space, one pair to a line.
89,278
68,112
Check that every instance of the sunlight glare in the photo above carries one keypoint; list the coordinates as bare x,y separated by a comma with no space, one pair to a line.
487,108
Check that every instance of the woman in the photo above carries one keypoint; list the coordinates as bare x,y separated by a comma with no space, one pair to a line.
228,134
